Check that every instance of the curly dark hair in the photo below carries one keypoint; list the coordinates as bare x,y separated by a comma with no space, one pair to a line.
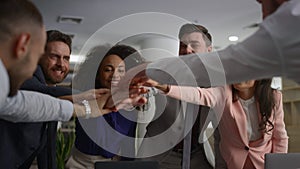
123,51
87,72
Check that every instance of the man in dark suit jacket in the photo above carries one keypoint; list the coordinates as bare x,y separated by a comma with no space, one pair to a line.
25,141
172,125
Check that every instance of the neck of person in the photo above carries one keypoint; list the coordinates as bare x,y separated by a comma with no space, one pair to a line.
246,94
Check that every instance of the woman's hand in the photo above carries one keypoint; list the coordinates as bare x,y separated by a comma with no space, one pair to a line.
126,100
90,95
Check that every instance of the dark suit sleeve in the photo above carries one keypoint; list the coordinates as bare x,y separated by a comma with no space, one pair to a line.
37,83
47,156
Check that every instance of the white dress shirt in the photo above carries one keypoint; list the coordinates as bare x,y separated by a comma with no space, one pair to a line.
271,51
29,106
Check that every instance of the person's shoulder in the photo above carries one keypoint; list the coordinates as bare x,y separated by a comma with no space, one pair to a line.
277,97
38,74
277,93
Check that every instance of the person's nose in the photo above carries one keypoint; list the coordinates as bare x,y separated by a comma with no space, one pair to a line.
189,49
116,75
59,61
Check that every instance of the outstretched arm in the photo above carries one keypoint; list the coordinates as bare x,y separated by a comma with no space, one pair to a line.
279,136
87,95
29,106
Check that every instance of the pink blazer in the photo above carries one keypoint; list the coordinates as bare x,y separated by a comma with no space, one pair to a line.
234,144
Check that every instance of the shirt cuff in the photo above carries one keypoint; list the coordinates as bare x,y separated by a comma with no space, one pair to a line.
66,110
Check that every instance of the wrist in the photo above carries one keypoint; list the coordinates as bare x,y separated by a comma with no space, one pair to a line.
87,107
163,87
79,110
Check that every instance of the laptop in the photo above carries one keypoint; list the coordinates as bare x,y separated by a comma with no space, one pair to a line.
126,165
282,161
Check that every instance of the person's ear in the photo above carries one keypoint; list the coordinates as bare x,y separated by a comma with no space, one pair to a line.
209,49
22,45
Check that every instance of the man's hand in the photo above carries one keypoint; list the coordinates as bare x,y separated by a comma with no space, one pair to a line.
152,83
96,106
87,95
134,77
122,99
130,103
90,95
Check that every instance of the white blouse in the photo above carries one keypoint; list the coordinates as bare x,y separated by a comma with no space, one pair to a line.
250,109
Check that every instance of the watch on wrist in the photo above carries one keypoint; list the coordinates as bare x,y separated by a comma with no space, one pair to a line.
88,110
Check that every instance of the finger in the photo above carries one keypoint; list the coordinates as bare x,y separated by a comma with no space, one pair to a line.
110,103
137,101
120,95
141,101
102,91
122,104
137,92
132,73
106,111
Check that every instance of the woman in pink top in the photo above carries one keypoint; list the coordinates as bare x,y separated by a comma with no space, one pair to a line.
251,119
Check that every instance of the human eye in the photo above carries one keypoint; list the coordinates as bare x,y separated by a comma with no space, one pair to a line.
121,70
108,69
195,45
67,58
53,56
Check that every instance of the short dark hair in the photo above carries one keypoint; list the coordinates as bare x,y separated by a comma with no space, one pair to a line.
190,28
55,35
16,13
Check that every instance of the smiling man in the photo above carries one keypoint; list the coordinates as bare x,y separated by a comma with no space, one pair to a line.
54,66
55,63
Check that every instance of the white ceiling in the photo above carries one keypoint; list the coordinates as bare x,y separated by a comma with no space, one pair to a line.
221,17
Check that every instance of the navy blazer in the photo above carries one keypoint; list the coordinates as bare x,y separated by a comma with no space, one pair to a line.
20,143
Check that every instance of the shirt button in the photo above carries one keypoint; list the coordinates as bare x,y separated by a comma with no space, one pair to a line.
246,148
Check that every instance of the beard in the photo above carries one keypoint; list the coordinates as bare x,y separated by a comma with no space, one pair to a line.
53,80
52,77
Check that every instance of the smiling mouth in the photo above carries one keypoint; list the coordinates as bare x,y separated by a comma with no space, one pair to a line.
58,71
114,82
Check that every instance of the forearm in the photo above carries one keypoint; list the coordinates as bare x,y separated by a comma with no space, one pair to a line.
279,139
279,136
79,110
196,95
29,106
35,85
163,87
185,93
67,97
236,63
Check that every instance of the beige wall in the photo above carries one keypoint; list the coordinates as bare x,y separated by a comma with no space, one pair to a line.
291,105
